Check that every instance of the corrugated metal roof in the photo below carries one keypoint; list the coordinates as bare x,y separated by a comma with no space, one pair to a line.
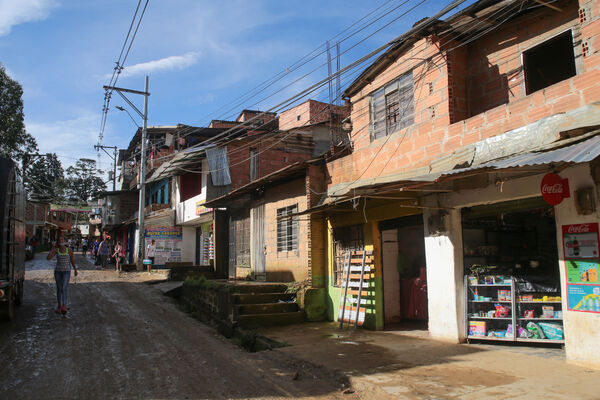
584,151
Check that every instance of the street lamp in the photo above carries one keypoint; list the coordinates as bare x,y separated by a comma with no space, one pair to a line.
124,109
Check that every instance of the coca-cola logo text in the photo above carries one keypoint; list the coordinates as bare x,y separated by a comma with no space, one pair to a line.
554,189
581,228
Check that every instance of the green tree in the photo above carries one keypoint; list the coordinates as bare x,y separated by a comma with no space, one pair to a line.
14,140
45,178
83,181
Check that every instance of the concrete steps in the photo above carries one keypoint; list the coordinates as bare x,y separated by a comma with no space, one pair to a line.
261,298
267,304
276,319
268,308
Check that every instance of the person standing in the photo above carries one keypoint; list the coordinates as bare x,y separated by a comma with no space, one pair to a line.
117,255
95,251
62,272
151,254
84,246
104,252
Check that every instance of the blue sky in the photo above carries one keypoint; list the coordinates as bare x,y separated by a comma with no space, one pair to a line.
200,55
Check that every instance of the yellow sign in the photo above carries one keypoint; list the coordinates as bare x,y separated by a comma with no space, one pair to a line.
200,209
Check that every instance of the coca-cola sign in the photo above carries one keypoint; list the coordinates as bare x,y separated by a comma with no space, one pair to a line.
580,228
554,189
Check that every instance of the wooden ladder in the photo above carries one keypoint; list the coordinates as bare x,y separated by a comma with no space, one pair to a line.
356,273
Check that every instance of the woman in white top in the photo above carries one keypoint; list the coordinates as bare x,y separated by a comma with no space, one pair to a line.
151,253
62,272
117,255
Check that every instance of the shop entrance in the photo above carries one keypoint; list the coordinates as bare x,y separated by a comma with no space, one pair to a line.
404,273
512,275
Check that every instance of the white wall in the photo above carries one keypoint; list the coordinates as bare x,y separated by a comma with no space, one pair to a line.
188,244
582,329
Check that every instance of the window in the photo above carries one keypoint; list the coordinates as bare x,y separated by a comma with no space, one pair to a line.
392,107
287,228
253,164
162,195
348,238
549,63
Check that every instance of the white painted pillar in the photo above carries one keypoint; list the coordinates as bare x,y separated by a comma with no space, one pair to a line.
445,289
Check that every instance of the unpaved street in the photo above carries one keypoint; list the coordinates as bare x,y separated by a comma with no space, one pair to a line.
123,339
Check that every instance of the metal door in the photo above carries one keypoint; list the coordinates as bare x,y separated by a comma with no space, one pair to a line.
258,243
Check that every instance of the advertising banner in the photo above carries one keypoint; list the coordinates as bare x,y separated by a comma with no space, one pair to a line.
580,244
168,241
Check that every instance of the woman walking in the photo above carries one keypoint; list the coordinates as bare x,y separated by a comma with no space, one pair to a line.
62,272
104,252
117,255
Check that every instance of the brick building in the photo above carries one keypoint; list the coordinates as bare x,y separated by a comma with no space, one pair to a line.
36,214
456,128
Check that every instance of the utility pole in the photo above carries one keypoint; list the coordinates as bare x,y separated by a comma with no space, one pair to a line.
142,197
115,149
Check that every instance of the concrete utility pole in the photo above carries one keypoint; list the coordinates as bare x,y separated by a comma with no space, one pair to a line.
115,149
142,197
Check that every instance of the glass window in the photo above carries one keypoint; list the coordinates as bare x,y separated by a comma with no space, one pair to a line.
287,228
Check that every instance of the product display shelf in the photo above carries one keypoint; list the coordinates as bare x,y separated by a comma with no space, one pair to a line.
520,318
489,301
470,288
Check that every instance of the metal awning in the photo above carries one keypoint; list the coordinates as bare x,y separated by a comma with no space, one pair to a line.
580,149
181,162
580,152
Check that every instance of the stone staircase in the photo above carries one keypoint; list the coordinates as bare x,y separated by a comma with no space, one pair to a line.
265,304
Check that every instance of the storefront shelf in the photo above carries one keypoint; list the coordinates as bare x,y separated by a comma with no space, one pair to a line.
491,338
499,318
495,284
539,340
489,301
540,302
540,319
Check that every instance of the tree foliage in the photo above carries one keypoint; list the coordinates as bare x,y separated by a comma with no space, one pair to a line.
83,181
14,140
45,178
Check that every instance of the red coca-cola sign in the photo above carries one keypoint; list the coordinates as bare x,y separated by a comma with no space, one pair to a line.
554,189
579,228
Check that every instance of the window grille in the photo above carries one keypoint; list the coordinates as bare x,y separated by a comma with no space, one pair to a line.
348,238
287,228
392,107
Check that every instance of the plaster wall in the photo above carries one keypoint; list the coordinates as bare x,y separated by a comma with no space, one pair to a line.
188,245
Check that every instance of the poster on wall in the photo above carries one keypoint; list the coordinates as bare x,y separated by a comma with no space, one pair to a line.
168,242
582,267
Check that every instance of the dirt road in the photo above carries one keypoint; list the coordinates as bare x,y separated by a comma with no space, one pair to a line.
123,339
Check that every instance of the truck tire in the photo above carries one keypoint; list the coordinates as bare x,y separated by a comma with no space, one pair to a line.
19,296
8,308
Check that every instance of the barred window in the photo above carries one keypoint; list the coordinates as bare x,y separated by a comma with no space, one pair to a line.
287,228
347,238
392,107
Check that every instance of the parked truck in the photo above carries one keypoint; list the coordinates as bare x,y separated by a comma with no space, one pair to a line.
12,238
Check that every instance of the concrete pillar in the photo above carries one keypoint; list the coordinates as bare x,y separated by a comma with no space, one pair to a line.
445,289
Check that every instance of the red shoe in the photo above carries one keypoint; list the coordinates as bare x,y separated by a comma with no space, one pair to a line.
63,310
58,309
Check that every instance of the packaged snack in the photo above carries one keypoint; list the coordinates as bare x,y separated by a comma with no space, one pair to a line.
535,331
502,311
523,333
527,297
547,312
552,331
477,328
509,331
529,314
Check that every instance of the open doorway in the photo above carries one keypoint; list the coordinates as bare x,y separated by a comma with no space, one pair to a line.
404,273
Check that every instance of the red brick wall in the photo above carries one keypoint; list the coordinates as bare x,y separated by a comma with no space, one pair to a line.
310,112
434,135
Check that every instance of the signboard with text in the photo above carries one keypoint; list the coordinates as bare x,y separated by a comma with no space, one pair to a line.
201,209
168,241
582,267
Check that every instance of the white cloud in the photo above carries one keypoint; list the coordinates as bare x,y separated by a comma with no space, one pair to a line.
163,64
69,139
17,12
